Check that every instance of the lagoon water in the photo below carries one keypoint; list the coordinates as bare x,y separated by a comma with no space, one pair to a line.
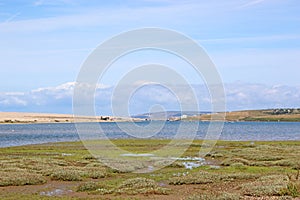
23,134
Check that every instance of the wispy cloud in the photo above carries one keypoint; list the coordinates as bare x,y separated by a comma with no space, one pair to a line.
105,15
52,2
252,3
38,3
252,39
12,17
52,38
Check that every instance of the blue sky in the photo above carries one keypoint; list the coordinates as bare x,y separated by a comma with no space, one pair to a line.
44,42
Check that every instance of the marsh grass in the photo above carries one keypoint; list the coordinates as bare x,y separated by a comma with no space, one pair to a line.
292,189
195,178
122,166
264,154
293,186
76,173
231,161
34,164
88,186
141,186
271,185
224,196
133,186
66,174
20,178
203,177
260,169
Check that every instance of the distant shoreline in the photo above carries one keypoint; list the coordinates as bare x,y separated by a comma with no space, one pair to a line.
267,115
33,118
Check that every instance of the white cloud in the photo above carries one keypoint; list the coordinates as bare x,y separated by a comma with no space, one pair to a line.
240,96
255,96
11,100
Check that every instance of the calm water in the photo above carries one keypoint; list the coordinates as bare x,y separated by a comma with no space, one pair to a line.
22,134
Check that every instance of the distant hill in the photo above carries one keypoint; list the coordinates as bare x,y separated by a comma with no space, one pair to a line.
281,114
168,114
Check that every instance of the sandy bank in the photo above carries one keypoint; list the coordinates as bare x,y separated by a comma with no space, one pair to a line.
19,117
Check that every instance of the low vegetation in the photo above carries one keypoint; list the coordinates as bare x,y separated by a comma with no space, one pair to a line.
271,185
10,178
224,196
232,170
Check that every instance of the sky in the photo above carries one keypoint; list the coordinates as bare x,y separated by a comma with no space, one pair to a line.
255,45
